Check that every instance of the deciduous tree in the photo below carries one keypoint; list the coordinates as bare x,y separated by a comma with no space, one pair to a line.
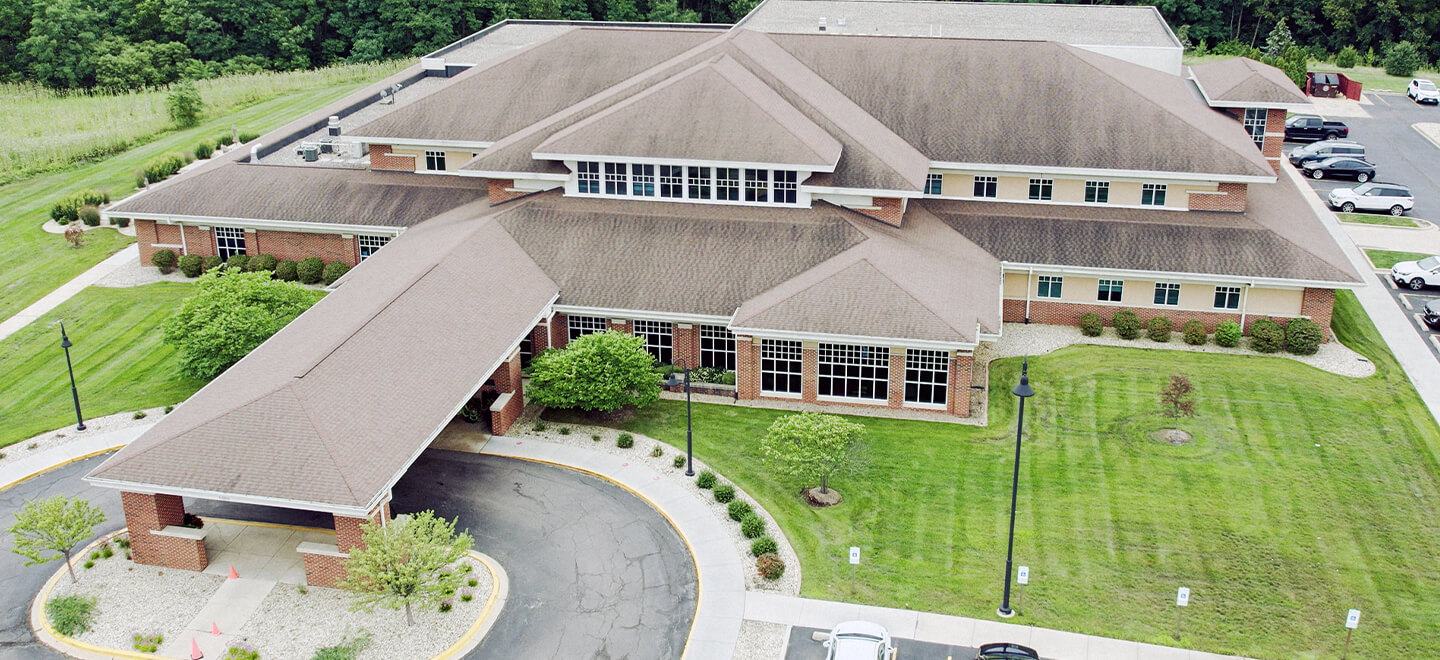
407,562
54,525
232,314
604,372
813,447
1177,398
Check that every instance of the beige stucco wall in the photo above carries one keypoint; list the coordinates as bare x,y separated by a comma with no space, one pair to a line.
1015,285
1070,190
454,159
1274,301
1141,293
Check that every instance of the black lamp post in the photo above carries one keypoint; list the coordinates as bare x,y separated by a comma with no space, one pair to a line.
75,394
672,381
1024,391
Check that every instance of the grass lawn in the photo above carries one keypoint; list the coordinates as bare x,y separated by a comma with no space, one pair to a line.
1388,258
120,362
1377,219
1302,495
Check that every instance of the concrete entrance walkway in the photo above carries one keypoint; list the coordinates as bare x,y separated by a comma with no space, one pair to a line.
232,605
67,290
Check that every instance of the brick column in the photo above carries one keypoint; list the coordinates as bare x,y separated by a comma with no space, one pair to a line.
1274,146
327,569
539,339
508,406
959,396
507,376
747,367
809,363
147,514
621,326
1319,305
686,342
897,378
560,330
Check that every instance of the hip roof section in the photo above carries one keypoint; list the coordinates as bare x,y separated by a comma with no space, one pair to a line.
1241,80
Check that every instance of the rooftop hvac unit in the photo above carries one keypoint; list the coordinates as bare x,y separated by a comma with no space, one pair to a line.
310,152
327,146
333,126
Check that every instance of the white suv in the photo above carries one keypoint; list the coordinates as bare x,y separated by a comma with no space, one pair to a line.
1423,91
1373,196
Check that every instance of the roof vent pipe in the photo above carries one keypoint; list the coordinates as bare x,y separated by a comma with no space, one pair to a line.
822,23
255,152
333,126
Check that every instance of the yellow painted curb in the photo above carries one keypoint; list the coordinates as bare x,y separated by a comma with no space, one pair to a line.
499,593
61,464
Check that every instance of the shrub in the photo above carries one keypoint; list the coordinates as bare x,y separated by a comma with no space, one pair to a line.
231,313
241,651
706,479
763,546
738,509
211,263
120,222
184,104
1127,324
90,215
349,649
310,270
285,271
657,452
75,235
538,426
1194,332
191,265
168,409
67,210
472,582
106,551
603,371
752,526
70,615
1091,325
240,262
225,140
1347,57
470,413
161,167
707,374
564,430
1401,59
466,596
147,642
139,414
679,461
261,262
770,566
333,271
1267,336
246,137
204,149
1303,336
447,605
164,260
90,564
724,493
1159,328
625,441
595,437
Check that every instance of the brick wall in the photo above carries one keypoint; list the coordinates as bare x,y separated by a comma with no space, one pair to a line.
1274,144
621,326
296,245
686,344
747,368
560,330
146,513
1230,197
500,190
809,379
961,368
539,339
1062,313
323,570
381,159
507,376
1319,305
502,418
148,233
896,388
889,210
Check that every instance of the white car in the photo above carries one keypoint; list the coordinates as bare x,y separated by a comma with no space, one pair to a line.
1416,274
1372,196
859,640
1423,91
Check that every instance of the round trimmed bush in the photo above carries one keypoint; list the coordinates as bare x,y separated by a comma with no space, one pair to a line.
285,271
1267,336
90,215
262,262
706,479
1303,336
724,493
204,149
625,441
763,546
310,270
333,271
1227,334
1194,332
738,509
1127,324
164,260
237,262
770,566
751,526
212,262
1159,328
192,265
1091,325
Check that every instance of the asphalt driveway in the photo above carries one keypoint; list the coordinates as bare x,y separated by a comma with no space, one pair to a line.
1400,154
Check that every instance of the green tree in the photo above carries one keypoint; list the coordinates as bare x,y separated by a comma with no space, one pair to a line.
184,104
1294,63
669,11
604,371
813,447
1402,59
57,50
407,562
232,313
56,524
1347,58
1279,41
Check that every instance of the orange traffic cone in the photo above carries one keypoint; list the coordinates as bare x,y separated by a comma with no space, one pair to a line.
195,653
233,574
214,629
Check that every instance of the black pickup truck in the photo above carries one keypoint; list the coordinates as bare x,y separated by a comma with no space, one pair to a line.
1310,127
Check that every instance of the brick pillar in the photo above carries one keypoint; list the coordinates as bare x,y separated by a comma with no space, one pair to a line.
560,330
686,342
539,339
146,514
1274,135
621,326
501,190
328,570
1319,305
507,376
896,388
747,367
511,403
959,396
889,210
809,363
382,159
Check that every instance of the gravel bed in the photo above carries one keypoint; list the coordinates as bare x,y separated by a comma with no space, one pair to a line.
133,273
290,625
170,598
762,641
58,437
788,584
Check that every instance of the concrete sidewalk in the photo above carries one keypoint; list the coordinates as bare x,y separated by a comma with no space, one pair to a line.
1401,239
67,290
81,447
957,631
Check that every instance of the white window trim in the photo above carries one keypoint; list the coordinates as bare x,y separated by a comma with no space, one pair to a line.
802,194
1162,188
761,352
885,365
1178,289
1053,280
437,154
944,384
1239,292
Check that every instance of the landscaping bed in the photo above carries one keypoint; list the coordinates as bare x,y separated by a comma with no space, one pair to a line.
1377,219
1386,259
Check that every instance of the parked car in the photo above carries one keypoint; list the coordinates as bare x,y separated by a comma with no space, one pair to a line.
1423,91
1325,149
859,640
1340,167
1311,127
1372,196
1432,314
1006,651
1416,274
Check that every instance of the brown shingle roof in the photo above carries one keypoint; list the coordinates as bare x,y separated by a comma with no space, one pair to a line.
1243,80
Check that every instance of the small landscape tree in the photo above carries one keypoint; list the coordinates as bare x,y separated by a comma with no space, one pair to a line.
184,104
603,372
1279,41
1347,57
1402,59
1177,398
75,235
233,313
56,524
407,562
813,447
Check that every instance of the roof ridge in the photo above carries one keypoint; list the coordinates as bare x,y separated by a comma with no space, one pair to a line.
735,64
125,457
938,316
304,403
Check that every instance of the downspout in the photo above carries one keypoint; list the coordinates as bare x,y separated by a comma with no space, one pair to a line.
1244,305
1029,277
184,249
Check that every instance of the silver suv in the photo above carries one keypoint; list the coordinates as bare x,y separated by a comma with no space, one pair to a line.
1325,149
1373,196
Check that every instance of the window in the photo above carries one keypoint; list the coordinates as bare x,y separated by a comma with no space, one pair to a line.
371,244
1042,189
933,184
926,376
1227,297
1110,290
659,339
785,186
614,178
985,186
435,160
672,181
587,177
1167,293
856,372
643,179
1049,286
699,183
229,241
586,325
727,184
756,185
1097,192
780,366
527,351
717,347
1255,125
1152,194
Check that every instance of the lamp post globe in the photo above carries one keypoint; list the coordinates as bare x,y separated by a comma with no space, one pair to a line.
1022,391
74,393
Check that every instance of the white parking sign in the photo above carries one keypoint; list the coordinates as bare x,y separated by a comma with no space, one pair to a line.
1182,598
1024,576
1352,620
854,554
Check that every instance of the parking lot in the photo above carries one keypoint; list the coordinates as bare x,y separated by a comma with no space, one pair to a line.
804,647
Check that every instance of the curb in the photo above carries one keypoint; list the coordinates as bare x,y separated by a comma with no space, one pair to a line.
54,466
